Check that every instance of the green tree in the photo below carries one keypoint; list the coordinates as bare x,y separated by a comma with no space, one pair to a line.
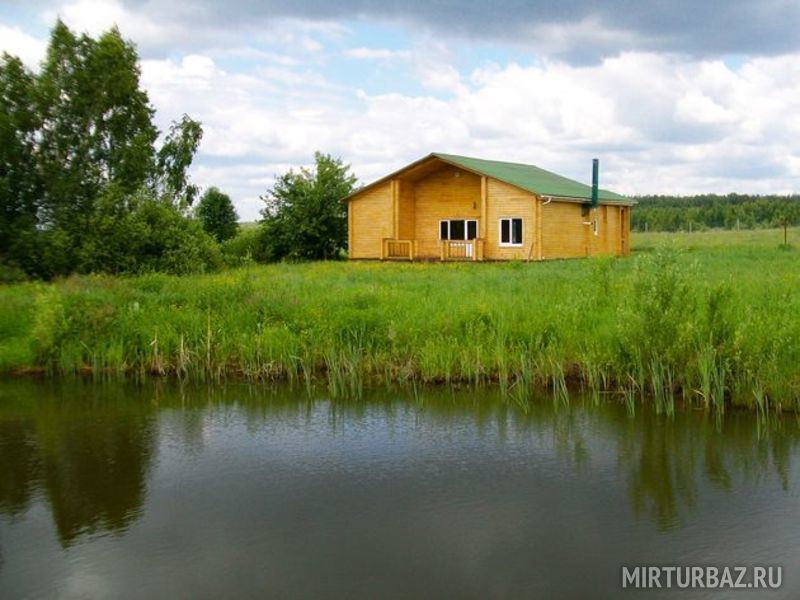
96,129
217,214
20,183
305,217
78,154
174,159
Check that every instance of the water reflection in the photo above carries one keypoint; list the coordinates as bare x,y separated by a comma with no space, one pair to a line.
19,465
88,449
667,461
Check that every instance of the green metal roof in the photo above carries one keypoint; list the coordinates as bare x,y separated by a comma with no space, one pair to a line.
530,178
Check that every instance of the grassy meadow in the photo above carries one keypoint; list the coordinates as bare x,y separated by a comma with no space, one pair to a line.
711,318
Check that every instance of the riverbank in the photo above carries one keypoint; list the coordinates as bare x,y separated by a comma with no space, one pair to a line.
714,318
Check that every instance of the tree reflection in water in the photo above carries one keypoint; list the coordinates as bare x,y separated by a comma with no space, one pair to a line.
88,449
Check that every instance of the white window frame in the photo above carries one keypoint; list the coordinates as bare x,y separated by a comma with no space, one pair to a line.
510,220
466,229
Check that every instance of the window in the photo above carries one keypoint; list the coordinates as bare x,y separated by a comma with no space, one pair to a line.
458,229
511,232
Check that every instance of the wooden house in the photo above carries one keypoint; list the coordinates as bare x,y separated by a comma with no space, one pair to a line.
447,207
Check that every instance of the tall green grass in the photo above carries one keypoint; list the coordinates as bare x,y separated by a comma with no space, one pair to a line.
706,323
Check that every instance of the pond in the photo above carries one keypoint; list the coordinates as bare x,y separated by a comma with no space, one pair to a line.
111,490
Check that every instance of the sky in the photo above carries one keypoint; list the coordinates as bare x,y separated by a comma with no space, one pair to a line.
673,97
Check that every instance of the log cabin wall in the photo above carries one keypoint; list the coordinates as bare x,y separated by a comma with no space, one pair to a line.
508,201
449,193
370,219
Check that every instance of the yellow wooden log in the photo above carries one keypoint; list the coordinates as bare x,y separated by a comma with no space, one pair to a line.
538,228
483,223
395,209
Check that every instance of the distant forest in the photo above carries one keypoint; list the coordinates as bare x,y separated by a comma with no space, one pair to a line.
711,211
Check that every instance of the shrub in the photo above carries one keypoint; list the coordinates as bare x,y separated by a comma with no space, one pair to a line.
243,248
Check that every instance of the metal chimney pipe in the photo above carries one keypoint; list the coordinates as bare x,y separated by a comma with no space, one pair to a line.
595,177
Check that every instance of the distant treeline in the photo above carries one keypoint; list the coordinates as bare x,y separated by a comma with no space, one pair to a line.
710,211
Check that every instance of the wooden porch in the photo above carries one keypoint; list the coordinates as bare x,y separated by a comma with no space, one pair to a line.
450,250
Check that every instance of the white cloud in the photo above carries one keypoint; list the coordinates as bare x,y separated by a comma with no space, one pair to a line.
97,16
696,107
18,43
365,53
660,123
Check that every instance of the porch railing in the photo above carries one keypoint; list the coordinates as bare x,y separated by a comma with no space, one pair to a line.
392,249
462,249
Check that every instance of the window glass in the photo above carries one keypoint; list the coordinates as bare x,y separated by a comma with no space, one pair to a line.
505,231
472,230
443,230
457,229
516,231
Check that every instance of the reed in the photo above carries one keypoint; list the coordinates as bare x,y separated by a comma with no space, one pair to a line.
707,324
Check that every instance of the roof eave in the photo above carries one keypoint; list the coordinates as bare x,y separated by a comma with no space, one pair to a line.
577,200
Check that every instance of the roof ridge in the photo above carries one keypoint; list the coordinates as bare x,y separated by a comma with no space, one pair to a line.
499,162
505,162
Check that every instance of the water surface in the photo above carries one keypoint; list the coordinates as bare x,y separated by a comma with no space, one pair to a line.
162,491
